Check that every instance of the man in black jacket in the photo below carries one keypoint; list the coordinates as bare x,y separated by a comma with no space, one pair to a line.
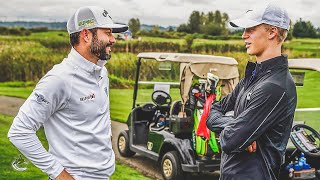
254,140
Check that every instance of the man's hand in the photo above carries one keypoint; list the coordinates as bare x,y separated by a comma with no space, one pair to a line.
64,175
252,148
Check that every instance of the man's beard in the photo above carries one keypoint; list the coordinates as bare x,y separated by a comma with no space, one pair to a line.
98,48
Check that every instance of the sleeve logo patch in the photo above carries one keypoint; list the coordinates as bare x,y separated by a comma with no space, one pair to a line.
40,98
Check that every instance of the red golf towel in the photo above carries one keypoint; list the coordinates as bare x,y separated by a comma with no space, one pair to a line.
202,129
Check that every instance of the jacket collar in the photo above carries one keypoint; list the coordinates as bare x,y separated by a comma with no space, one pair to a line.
276,62
82,62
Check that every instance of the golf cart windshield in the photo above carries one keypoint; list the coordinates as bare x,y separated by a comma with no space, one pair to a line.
164,77
174,73
306,74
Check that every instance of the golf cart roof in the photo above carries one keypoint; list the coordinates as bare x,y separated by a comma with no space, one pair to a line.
187,58
305,63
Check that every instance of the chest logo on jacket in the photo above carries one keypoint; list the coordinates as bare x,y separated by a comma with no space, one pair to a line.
249,96
87,98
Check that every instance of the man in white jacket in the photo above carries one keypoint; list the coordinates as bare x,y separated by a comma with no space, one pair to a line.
71,102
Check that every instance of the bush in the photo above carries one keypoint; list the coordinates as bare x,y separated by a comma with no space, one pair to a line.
19,31
146,46
210,48
120,83
39,29
18,84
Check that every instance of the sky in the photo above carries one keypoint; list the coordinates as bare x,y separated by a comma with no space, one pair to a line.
152,12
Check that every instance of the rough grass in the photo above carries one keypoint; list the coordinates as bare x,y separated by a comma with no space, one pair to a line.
309,93
311,118
8,153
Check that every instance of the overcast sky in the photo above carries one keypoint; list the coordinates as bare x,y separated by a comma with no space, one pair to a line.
160,12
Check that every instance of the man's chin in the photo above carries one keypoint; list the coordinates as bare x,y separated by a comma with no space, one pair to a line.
250,53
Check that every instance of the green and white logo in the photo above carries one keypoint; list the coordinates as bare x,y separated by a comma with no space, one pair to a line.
87,23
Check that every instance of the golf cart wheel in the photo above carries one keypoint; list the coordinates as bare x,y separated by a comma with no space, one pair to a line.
171,167
123,145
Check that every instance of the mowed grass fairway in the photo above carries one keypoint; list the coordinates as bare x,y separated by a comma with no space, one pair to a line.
121,99
8,153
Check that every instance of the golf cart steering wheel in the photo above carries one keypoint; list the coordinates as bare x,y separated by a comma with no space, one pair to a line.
161,98
306,142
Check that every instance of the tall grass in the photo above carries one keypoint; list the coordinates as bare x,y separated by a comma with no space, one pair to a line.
28,58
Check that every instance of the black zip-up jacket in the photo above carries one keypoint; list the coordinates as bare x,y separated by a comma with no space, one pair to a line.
263,106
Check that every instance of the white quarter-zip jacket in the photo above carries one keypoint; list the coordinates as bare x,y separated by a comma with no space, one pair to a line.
71,102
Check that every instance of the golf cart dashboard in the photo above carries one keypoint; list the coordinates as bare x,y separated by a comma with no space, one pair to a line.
305,141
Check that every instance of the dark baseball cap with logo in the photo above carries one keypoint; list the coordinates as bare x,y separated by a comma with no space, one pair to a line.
270,14
89,17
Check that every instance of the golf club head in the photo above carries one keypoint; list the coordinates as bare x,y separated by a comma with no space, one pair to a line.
212,80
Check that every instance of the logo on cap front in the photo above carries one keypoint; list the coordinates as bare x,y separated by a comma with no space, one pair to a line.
105,13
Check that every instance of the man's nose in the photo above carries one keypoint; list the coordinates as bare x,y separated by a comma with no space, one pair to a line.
244,35
112,39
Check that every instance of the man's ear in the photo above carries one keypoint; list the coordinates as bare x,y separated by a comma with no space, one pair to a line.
85,35
273,33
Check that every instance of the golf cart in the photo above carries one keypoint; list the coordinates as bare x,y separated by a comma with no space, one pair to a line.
303,151
168,131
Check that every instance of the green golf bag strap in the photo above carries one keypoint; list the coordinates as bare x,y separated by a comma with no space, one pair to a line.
201,144
218,93
213,143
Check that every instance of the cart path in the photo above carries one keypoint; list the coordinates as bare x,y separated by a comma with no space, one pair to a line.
10,106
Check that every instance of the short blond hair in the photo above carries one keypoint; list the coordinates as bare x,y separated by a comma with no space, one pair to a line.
282,35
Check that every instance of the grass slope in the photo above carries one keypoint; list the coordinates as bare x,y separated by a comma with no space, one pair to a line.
8,153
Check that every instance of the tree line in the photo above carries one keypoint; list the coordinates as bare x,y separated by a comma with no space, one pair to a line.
212,24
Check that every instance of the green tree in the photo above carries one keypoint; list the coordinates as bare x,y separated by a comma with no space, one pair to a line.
302,29
224,24
170,29
217,17
194,22
214,29
183,28
210,17
212,23
225,18
155,30
134,25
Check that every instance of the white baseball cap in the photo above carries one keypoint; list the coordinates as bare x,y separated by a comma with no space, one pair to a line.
270,14
89,17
